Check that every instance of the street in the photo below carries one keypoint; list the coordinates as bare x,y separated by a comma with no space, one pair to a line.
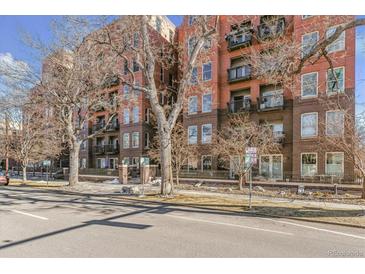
49,223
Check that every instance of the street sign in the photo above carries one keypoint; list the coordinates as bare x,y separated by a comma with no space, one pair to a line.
251,155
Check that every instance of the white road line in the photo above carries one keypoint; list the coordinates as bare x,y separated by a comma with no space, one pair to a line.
229,224
319,229
28,214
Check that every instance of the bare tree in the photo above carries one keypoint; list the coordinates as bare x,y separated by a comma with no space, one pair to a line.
181,151
151,54
240,141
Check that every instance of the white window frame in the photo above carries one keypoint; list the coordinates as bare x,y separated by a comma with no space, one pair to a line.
101,160
344,40
135,133
197,135
343,161
201,162
211,71
211,129
211,102
301,163
343,125
301,86
129,140
271,155
302,53
344,81
135,121
126,110
197,104
301,123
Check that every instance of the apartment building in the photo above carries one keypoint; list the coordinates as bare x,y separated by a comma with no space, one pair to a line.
129,135
293,111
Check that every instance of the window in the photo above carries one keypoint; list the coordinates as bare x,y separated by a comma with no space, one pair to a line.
125,140
135,139
83,163
126,92
136,40
146,140
126,161
191,45
135,114
335,163
335,80
309,84
338,44
193,105
83,145
207,71
135,161
100,163
207,102
126,116
206,162
147,115
135,66
335,123
309,40
125,67
194,76
309,124
158,24
206,134
309,164
192,135
207,43
192,19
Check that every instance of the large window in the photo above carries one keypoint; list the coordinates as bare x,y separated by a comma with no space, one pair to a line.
135,114
126,116
338,44
334,163
309,40
207,102
191,45
100,163
309,124
207,72
135,139
126,92
194,76
335,123
193,105
192,135
309,164
206,162
125,140
158,24
335,80
309,84
206,134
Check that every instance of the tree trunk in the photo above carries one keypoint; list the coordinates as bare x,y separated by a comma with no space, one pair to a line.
177,178
24,174
242,181
74,165
363,189
166,170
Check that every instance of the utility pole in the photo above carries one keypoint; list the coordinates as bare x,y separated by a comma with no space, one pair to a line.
6,145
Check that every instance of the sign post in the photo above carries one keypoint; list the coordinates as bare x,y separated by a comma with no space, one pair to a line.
251,158
47,164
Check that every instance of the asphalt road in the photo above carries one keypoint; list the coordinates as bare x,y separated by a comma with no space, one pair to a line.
46,223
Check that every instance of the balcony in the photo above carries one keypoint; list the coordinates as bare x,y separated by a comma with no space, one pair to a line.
99,149
111,149
279,137
271,29
240,73
236,106
239,40
98,126
113,126
271,102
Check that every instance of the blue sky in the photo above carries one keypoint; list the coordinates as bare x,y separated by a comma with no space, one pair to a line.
12,26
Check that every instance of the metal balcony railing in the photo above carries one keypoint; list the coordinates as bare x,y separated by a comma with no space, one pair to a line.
240,73
114,125
236,41
239,105
271,29
269,102
111,148
98,126
99,149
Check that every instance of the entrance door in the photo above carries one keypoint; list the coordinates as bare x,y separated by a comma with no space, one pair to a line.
271,166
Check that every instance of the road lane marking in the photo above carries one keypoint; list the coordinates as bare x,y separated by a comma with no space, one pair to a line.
233,225
319,229
28,214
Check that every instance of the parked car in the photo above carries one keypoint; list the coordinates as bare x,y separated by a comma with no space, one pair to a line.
4,179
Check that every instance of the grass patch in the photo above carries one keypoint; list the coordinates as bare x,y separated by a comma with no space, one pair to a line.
18,182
